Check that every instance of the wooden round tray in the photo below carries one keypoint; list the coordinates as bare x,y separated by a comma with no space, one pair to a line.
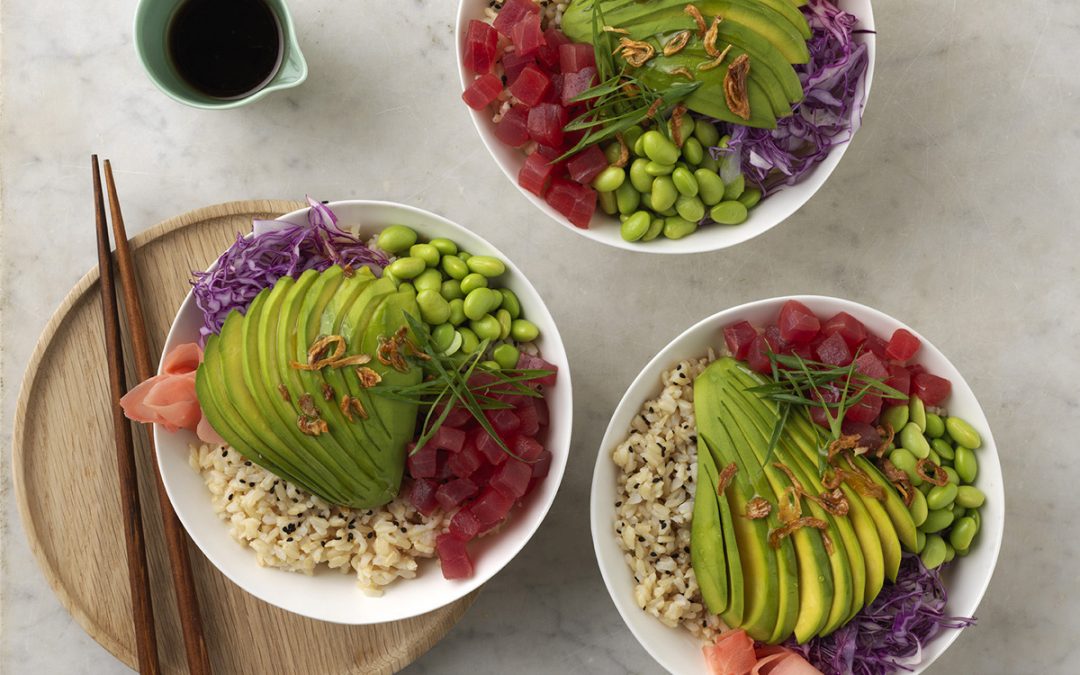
66,486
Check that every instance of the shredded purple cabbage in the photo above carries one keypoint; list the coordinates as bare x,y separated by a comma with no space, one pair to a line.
830,113
276,249
891,633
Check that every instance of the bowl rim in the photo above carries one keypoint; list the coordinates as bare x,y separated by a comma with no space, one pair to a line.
600,514
804,190
559,437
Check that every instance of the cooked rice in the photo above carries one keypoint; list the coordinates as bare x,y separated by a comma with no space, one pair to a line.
655,504
294,530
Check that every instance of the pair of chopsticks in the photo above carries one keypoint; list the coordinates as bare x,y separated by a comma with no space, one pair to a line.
176,540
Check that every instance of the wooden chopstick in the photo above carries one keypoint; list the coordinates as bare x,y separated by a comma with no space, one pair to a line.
187,602
142,611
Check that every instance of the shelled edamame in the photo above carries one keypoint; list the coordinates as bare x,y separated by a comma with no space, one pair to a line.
457,298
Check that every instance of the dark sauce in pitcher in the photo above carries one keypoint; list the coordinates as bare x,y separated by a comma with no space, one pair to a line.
225,48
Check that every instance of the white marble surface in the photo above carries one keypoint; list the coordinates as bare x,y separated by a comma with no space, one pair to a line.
954,211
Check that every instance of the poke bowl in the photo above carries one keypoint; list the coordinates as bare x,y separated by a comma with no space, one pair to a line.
709,403
350,519
720,169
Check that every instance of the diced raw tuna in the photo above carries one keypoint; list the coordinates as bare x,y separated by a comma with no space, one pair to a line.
876,346
536,174
531,85
530,362
902,345
504,421
448,438
513,128
546,122
526,448
797,323
490,508
512,12
512,478
738,337
829,394
757,356
549,52
463,464
489,448
576,202
575,56
868,435
464,525
542,412
777,343
805,352
443,473
453,492
871,366
482,91
834,351
899,379
453,557
930,388
587,164
422,495
527,36
853,331
542,465
530,420
866,410
513,63
575,84
481,39
424,462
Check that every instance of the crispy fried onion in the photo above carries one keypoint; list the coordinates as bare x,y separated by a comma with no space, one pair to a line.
682,70
624,152
930,472
350,404
677,123
900,481
307,405
337,359
676,43
710,37
284,391
368,377
757,508
832,501
790,505
636,52
389,351
845,442
312,426
654,108
828,542
726,475
888,434
613,29
695,14
777,535
327,392
735,86
858,480
715,63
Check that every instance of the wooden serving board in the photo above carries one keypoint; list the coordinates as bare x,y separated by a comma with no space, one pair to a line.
66,486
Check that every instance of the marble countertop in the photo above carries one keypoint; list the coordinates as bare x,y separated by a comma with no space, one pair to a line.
953,211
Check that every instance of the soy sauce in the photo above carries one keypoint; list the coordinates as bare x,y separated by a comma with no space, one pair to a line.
225,48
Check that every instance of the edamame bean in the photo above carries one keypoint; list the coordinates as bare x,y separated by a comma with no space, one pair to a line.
963,433
506,355
479,302
635,226
434,309
609,179
444,246
954,477
958,512
473,281
443,336
505,322
936,521
933,553
690,208
735,188
406,268
406,287
911,438
454,267
657,169
631,136
967,467
974,515
627,198
490,365
941,496
692,151
935,426
663,194
523,330
728,212
707,162
607,202
469,341
426,252
706,133
710,187
950,552
639,146
486,327
685,182
962,533
750,197
641,180
510,302
919,510
451,289
920,541
933,457
464,255
396,239
486,265
903,459
659,149
970,497
457,311
655,228
918,412
943,449
896,417
686,128
677,227
612,151
429,280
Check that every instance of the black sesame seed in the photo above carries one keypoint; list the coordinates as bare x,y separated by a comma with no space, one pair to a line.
618,504
247,463
224,452
640,538
653,554
289,539
403,530
686,549
230,496
370,535
351,536
657,479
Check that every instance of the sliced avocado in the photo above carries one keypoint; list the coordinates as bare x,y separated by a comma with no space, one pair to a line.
894,505
762,55
789,12
707,533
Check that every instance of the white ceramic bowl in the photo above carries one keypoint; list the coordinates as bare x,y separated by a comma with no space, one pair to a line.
330,595
605,229
674,648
